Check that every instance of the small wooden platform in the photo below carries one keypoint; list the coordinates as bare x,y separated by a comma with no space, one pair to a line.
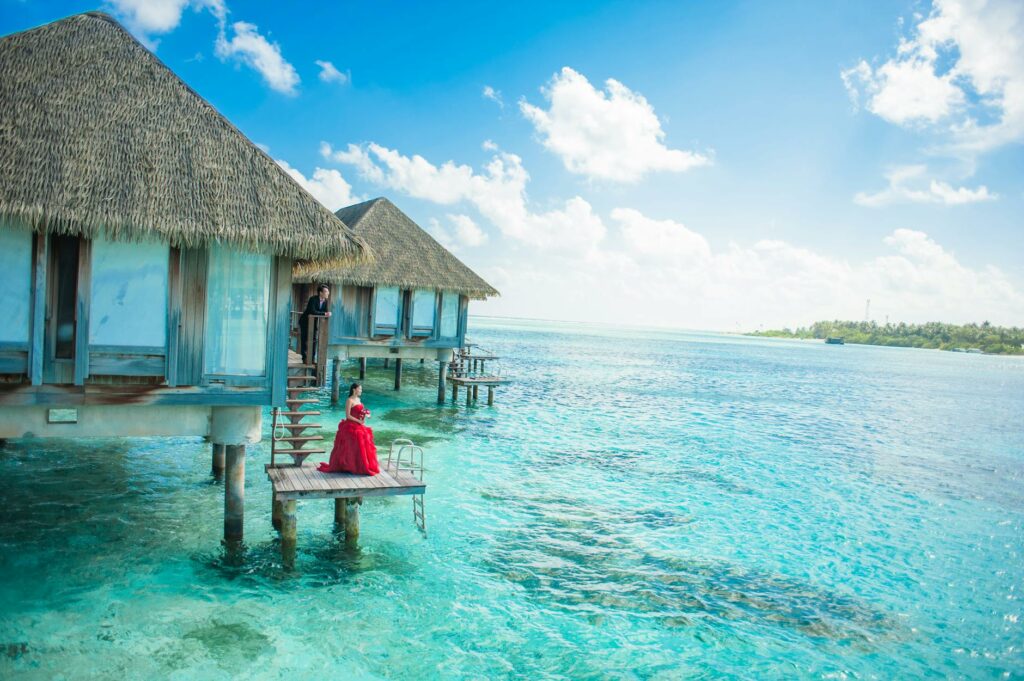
306,482
482,357
479,380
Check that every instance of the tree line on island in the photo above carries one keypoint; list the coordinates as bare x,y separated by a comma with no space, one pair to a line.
984,337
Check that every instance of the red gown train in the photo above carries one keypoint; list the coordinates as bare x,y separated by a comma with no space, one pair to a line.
354,451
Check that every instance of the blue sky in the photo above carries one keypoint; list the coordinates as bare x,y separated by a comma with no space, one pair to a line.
751,164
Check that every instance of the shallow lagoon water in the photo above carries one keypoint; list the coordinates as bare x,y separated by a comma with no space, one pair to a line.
639,504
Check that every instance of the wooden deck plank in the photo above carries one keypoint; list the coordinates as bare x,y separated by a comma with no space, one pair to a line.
320,479
287,480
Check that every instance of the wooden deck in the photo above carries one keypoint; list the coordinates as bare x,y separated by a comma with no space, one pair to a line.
479,380
482,357
306,482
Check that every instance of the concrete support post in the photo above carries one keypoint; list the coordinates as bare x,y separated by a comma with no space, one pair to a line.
398,373
218,461
234,492
352,520
335,381
289,532
441,375
490,395
362,368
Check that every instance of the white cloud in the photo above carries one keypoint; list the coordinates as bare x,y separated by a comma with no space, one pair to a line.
498,193
493,95
610,135
249,47
906,91
961,72
910,184
462,231
467,232
772,284
663,241
146,18
559,264
329,73
327,186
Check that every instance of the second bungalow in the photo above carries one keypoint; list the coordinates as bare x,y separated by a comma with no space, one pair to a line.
410,302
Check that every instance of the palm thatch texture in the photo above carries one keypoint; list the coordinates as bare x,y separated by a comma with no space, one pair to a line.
97,134
404,255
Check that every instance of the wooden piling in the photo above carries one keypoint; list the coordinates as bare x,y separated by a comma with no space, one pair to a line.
276,510
490,395
340,514
441,375
352,519
398,373
469,396
289,532
455,392
234,492
387,362
335,381
217,468
362,368
476,392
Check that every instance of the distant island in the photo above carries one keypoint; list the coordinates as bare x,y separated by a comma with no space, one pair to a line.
995,340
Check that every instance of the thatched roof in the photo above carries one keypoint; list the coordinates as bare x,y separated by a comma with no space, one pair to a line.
404,255
97,134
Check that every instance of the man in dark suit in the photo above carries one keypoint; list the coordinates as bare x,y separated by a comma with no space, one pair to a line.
317,306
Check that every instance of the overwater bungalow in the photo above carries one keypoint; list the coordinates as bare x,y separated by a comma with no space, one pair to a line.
146,251
410,302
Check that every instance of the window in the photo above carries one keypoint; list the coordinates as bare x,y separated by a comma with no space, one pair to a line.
424,304
129,293
237,313
449,314
385,311
15,284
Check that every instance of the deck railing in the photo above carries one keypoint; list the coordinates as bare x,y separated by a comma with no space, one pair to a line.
474,361
315,352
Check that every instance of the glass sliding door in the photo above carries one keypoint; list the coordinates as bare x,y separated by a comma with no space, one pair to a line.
62,297
237,313
449,314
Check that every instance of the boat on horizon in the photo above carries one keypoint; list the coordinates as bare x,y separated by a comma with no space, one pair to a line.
835,340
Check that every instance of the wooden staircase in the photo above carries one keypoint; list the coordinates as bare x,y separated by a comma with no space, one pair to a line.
288,435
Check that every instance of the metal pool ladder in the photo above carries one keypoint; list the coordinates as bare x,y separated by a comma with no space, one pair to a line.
404,455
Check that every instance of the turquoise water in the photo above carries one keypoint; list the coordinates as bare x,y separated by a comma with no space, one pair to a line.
638,505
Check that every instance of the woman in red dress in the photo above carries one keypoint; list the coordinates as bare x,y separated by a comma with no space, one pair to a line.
354,451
